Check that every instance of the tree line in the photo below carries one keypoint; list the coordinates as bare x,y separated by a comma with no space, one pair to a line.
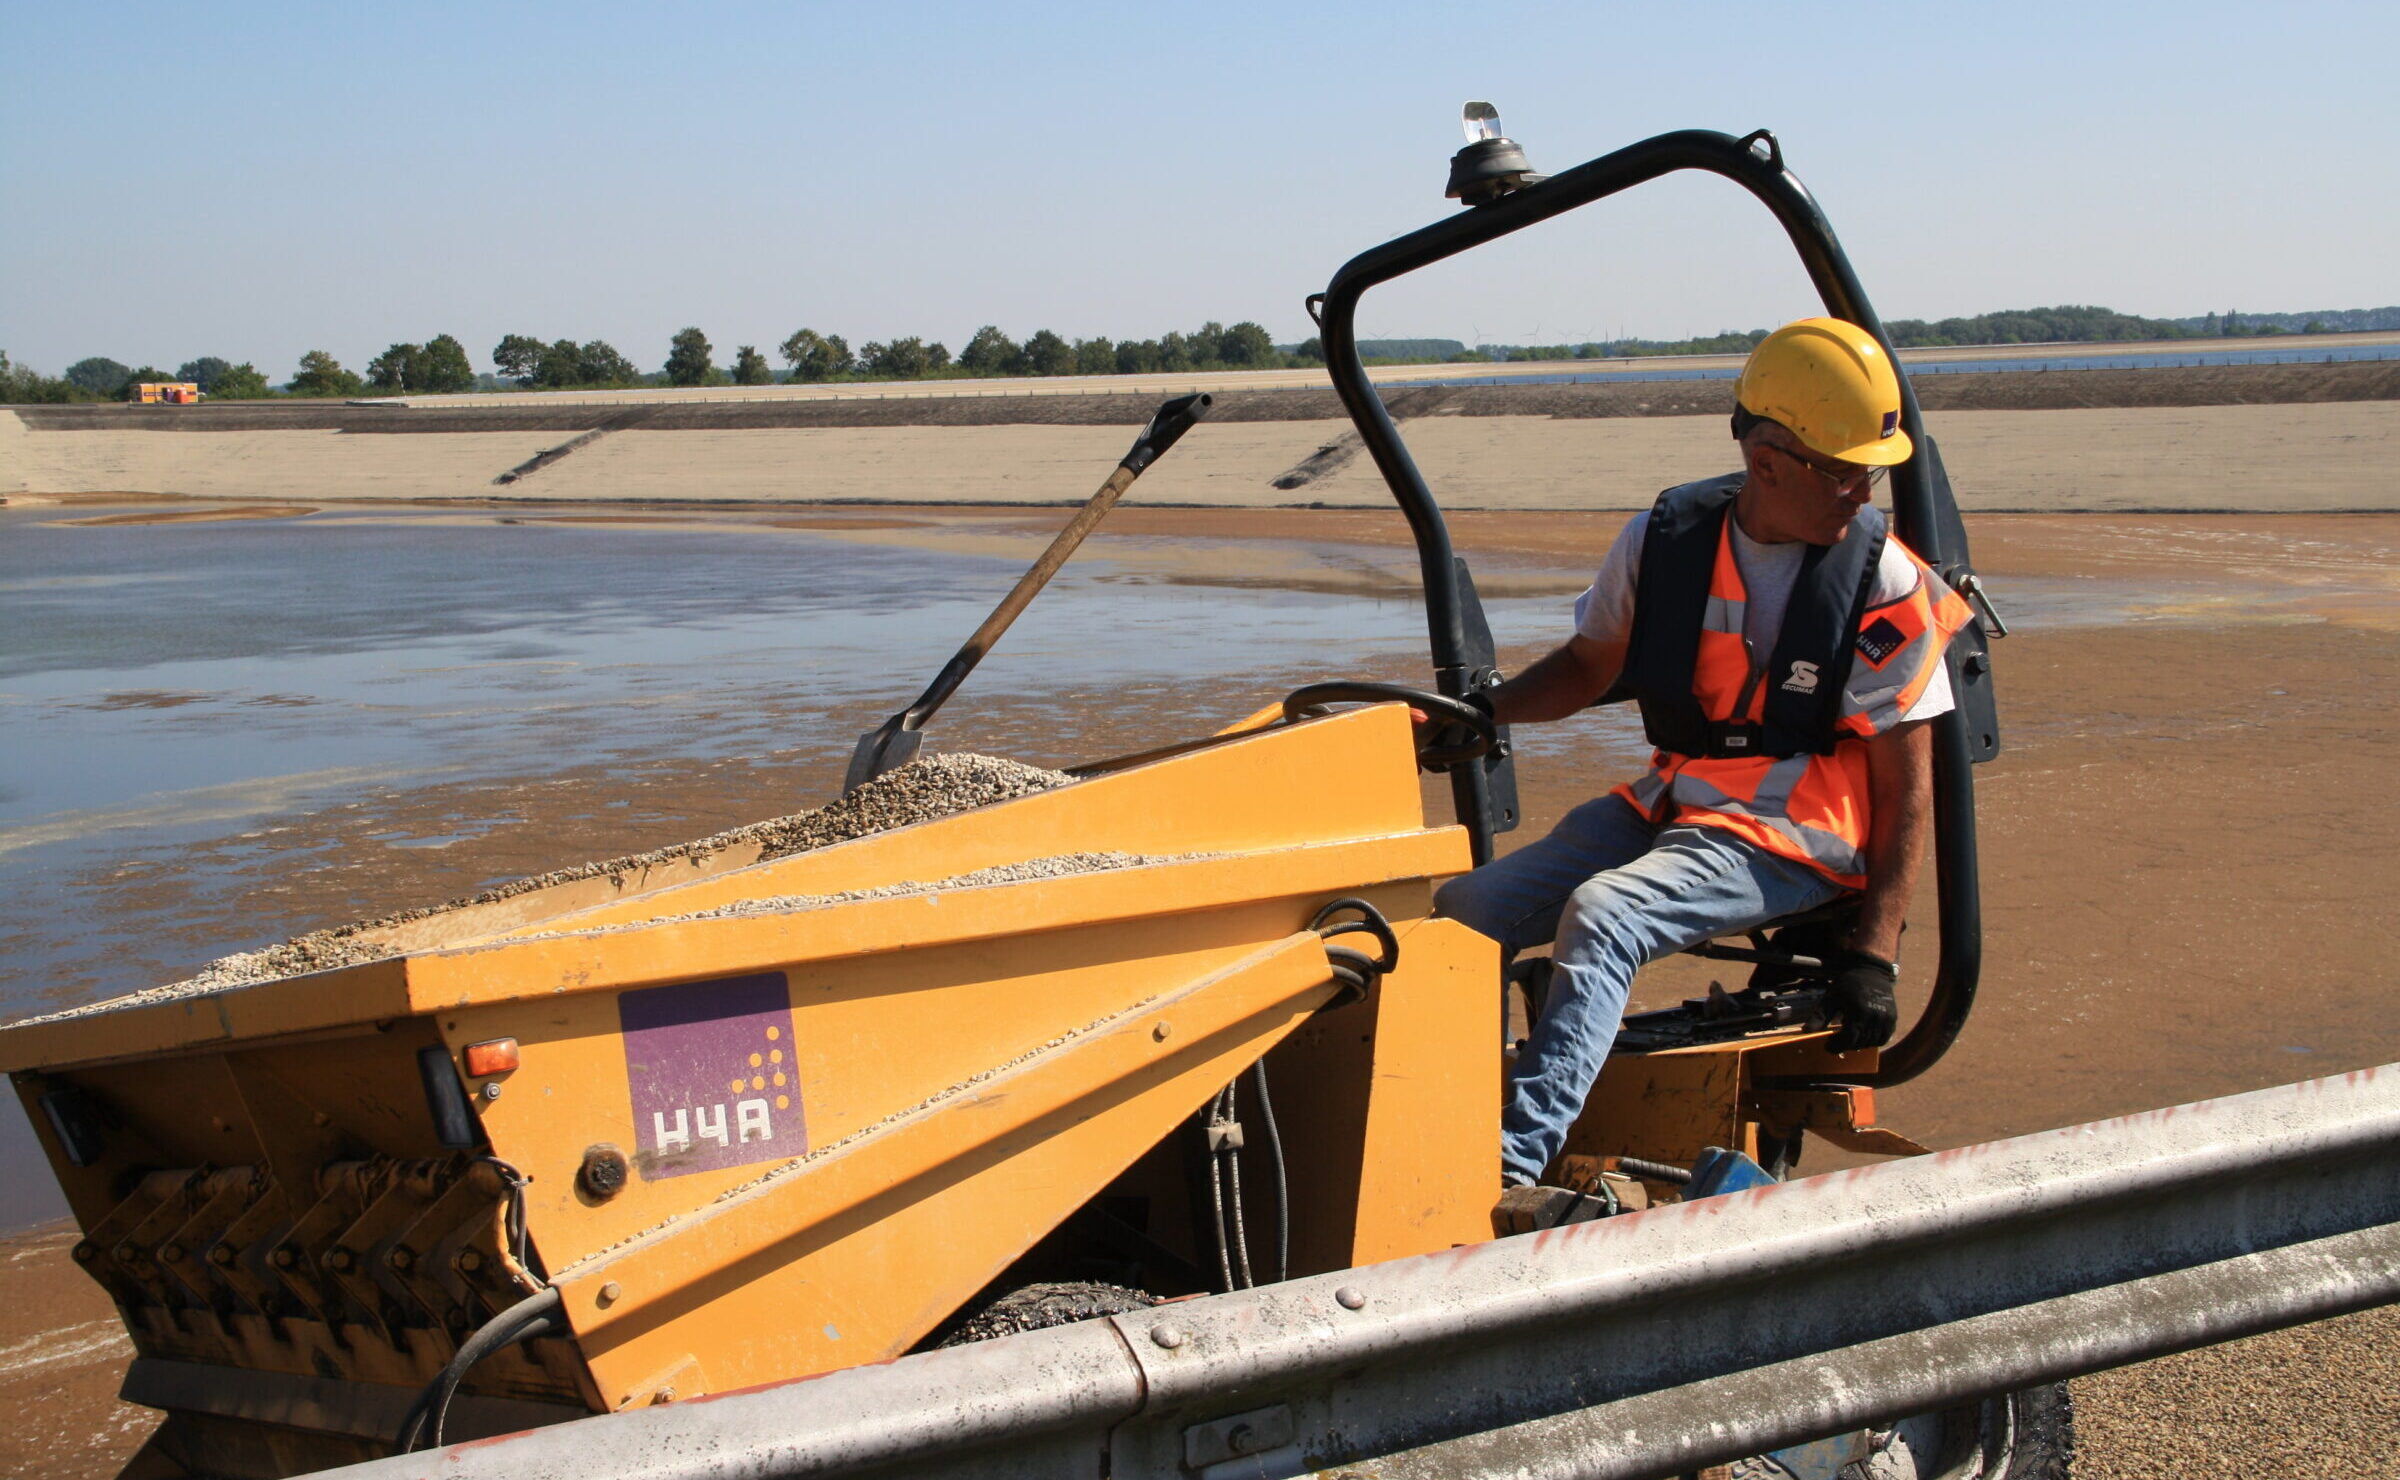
2064,324
811,357
441,365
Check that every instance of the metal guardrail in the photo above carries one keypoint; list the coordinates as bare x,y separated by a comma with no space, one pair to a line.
1641,1345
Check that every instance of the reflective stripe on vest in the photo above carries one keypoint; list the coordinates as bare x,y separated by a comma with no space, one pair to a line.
1812,809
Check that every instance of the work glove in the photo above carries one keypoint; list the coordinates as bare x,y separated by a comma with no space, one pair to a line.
1862,999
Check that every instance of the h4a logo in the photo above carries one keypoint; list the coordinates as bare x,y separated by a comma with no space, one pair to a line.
754,1120
1803,678
713,1073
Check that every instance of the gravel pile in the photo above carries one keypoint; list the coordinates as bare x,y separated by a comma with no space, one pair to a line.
1056,866
924,789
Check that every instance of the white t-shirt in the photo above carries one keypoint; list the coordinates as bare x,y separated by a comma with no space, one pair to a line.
1604,613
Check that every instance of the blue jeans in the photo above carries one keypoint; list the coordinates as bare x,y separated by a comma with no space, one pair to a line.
1611,893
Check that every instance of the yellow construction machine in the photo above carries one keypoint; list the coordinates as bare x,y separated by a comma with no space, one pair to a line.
1182,1023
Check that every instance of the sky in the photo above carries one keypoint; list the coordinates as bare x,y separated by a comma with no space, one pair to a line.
256,181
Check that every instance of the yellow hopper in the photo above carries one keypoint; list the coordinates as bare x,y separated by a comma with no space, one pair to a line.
750,1132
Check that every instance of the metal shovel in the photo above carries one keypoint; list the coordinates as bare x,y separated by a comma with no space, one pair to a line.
895,742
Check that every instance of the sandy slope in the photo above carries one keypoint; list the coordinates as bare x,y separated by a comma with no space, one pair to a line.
2184,458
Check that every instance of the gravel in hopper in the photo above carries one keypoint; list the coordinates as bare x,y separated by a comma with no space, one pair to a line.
1058,865
924,789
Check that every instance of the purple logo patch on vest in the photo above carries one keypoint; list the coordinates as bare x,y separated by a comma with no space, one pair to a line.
1878,640
713,1073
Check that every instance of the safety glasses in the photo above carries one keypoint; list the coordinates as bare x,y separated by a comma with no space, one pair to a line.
1841,476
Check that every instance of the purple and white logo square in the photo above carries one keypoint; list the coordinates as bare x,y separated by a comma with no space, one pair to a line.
714,1080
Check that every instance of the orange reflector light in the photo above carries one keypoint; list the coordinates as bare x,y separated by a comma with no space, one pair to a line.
493,1056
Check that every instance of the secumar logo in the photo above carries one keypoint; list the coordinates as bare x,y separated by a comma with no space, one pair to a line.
713,1074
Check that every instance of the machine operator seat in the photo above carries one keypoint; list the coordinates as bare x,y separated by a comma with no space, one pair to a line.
1788,975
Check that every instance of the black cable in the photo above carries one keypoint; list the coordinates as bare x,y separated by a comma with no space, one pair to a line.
535,1315
1353,971
1370,922
1283,1191
519,1247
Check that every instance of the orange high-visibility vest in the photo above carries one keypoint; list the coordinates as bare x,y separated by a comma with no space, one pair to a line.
1813,809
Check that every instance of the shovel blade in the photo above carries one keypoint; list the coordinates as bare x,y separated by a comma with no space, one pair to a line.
885,748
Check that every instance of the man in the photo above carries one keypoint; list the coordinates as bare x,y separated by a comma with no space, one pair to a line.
1786,654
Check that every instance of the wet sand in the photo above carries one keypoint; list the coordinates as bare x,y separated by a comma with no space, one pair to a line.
212,515
2189,857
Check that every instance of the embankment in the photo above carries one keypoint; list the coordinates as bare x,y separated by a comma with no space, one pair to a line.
2213,438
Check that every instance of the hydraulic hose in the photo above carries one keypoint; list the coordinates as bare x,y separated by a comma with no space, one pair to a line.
1283,1191
1210,1119
535,1315
1241,1230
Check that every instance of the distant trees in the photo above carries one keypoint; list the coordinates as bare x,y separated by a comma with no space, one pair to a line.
217,378
2234,327
517,355
437,367
23,386
441,365
562,364
990,352
2075,323
99,376
903,359
238,383
320,374
815,357
689,359
559,364
444,368
2064,324
389,371
598,363
1047,354
204,373
1246,344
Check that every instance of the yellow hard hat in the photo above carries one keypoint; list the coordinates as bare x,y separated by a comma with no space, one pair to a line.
1831,385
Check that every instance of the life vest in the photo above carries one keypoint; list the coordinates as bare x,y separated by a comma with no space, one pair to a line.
1773,753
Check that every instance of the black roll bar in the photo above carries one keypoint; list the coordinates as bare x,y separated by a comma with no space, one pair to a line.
1755,162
